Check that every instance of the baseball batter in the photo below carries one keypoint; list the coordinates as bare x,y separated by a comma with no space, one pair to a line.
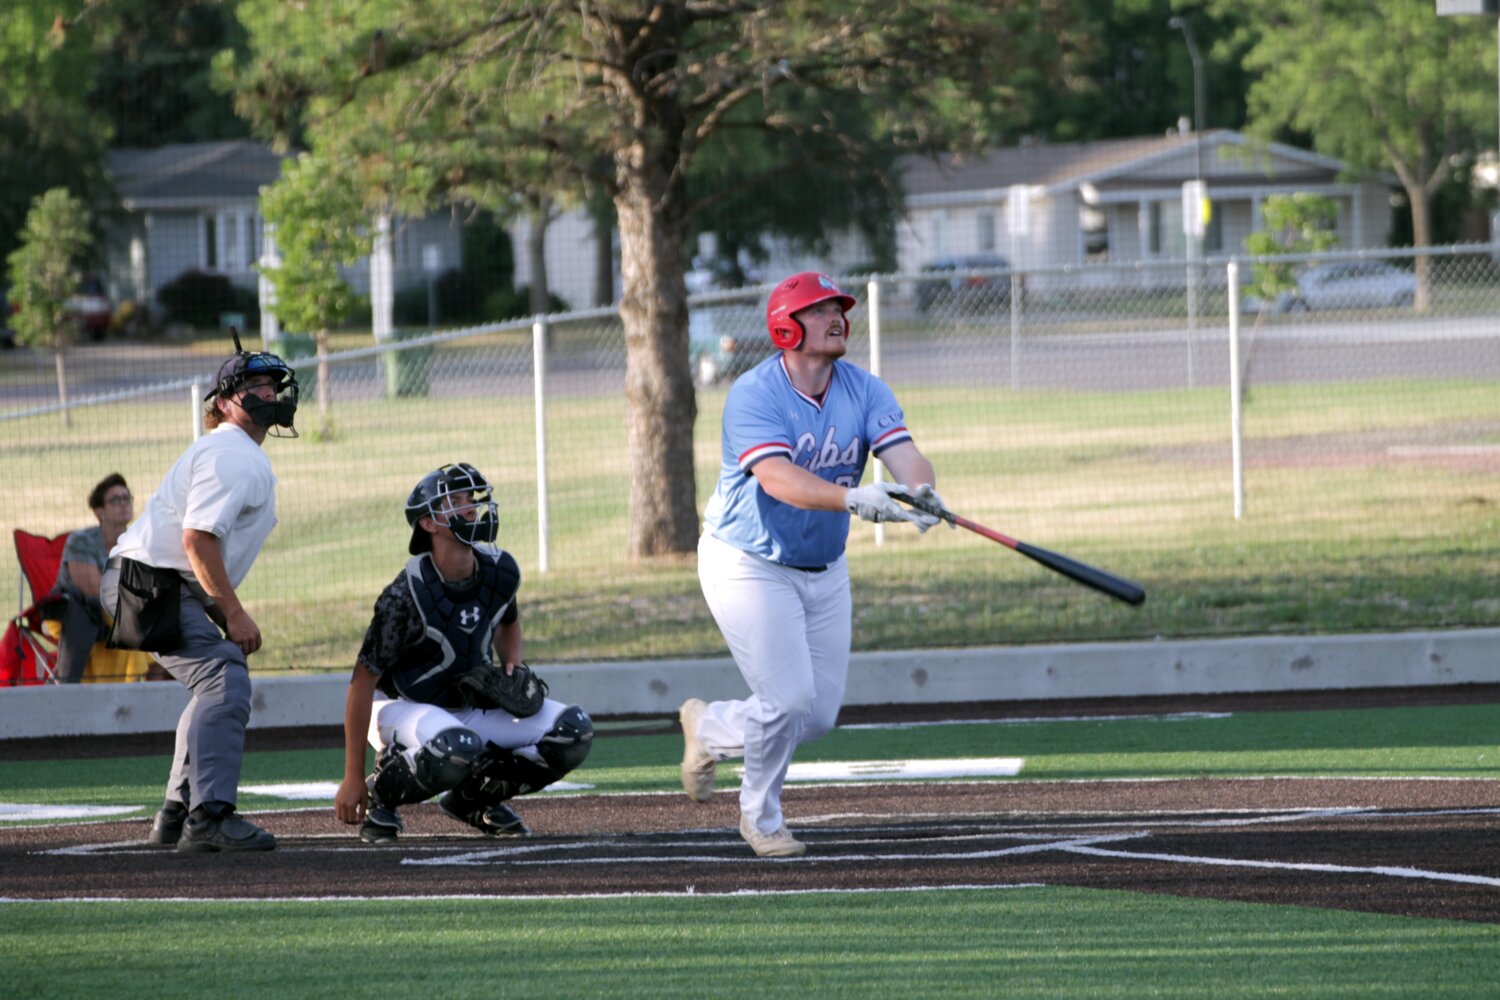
797,431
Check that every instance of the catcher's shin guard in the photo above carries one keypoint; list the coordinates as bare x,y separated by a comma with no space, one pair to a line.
441,763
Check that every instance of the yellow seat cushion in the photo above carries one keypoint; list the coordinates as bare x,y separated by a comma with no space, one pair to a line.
107,664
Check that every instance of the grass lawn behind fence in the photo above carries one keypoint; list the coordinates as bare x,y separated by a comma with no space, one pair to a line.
1339,535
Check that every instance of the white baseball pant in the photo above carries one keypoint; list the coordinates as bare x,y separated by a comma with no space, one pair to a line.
413,724
789,631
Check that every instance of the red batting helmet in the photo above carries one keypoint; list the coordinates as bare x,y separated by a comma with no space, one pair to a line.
794,295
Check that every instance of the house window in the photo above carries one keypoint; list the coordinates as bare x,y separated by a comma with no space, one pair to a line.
1154,211
986,223
210,243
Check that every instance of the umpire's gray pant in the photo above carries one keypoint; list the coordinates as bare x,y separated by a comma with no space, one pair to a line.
211,731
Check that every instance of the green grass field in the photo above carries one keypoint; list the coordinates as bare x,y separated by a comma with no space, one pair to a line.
1338,535
1023,941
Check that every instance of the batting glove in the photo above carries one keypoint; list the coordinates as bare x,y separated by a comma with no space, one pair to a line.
874,503
929,496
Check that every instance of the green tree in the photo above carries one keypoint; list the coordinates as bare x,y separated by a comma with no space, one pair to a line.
1381,84
474,100
44,275
151,76
48,136
1295,224
319,221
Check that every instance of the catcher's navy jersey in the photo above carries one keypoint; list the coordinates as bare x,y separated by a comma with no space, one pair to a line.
766,415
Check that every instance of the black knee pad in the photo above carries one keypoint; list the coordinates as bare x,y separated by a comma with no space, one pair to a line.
444,761
567,743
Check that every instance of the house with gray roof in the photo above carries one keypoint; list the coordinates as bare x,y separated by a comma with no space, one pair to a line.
196,206
1119,201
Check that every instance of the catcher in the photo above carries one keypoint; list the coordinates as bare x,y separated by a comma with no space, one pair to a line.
443,716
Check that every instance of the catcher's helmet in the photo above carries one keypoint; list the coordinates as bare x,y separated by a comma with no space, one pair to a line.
245,365
433,497
795,294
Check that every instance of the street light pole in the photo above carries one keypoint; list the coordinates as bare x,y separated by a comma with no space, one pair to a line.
1194,228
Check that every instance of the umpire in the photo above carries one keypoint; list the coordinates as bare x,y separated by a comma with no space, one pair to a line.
170,587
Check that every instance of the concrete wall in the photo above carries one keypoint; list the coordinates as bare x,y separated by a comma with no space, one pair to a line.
1089,670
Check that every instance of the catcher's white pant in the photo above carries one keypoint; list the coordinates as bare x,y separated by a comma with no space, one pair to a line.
789,632
413,724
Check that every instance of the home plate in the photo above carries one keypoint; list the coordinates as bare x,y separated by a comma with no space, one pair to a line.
324,791
885,770
11,812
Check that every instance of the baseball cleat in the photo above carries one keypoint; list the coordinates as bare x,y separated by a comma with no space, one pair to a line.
381,826
698,766
166,828
498,820
780,844
228,833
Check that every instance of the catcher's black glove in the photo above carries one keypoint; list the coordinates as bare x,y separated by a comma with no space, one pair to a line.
488,686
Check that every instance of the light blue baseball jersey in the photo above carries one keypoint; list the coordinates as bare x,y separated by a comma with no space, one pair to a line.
766,415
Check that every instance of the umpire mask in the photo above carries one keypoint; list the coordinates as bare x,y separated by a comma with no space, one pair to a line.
237,372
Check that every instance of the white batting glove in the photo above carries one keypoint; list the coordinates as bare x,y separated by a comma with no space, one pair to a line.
929,496
874,503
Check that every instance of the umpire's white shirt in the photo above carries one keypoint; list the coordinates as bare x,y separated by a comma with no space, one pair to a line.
222,484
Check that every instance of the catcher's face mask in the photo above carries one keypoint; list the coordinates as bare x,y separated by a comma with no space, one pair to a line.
459,498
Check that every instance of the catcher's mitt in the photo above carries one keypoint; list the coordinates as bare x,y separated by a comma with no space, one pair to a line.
489,686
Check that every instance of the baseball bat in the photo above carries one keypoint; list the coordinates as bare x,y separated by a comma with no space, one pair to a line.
1117,587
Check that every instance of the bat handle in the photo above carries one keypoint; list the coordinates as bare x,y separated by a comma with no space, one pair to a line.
925,507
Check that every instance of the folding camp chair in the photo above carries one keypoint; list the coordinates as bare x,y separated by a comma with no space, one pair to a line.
28,653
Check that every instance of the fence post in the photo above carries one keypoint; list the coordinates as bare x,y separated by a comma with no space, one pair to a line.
195,394
539,394
1016,284
1236,397
872,298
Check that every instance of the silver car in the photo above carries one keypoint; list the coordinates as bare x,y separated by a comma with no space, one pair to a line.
1355,284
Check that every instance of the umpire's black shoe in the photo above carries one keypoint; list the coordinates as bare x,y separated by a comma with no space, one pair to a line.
166,828
498,820
381,825
215,830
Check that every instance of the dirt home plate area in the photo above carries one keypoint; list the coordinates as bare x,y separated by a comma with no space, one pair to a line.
1427,847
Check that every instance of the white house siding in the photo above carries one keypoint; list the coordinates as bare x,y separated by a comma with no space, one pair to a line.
570,257
173,245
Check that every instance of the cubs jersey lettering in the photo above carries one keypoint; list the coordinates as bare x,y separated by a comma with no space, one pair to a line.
831,437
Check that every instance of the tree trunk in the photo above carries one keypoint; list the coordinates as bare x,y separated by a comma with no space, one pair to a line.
325,391
1421,236
660,401
536,256
62,382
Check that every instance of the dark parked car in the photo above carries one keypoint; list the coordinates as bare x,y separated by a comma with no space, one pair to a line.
956,283
725,341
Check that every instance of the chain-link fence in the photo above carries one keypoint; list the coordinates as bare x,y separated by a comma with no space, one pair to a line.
1322,458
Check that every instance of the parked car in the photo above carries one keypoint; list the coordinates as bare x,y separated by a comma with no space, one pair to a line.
956,283
726,341
1355,284
91,308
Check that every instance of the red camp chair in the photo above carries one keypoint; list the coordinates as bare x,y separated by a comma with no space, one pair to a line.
28,655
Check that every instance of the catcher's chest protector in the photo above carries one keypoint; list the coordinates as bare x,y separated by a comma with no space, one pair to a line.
460,633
